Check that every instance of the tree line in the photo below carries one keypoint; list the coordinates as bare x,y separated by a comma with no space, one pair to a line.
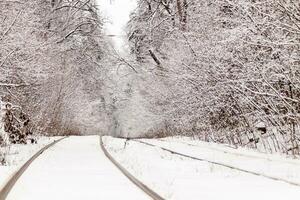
222,70
51,57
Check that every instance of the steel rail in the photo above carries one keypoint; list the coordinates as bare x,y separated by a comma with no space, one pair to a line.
134,180
12,181
218,163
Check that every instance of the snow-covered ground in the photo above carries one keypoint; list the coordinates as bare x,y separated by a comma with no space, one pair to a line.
18,154
74,168
177,177
271,165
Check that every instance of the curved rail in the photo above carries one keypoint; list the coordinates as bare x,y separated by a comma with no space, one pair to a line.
12,181
134,180
217,163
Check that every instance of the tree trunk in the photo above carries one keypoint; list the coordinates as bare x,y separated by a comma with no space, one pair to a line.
185,13
179,10
155,58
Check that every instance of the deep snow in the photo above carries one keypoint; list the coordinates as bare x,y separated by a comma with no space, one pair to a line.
74,168
18,154
176,177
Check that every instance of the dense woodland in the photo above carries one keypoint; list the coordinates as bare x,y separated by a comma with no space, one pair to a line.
222,70
51,55
218,70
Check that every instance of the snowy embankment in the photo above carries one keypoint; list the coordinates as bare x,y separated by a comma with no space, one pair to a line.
18,154
178,177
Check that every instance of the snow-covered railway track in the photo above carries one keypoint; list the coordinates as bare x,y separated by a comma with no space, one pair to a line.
133,179
12,181
217,163
75,168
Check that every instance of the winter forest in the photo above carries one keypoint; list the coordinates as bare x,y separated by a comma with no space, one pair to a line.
224,71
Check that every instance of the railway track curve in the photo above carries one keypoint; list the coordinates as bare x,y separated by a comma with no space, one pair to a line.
133,179
12,181
217,163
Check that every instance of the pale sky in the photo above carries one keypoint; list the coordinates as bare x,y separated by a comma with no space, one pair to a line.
118,13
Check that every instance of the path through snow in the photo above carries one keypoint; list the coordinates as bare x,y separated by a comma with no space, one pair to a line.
75,168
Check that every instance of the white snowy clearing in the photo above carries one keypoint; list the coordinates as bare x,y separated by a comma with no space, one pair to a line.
75,168
177,177
18,154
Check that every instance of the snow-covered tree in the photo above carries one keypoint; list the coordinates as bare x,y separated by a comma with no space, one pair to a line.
222,68
49,50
